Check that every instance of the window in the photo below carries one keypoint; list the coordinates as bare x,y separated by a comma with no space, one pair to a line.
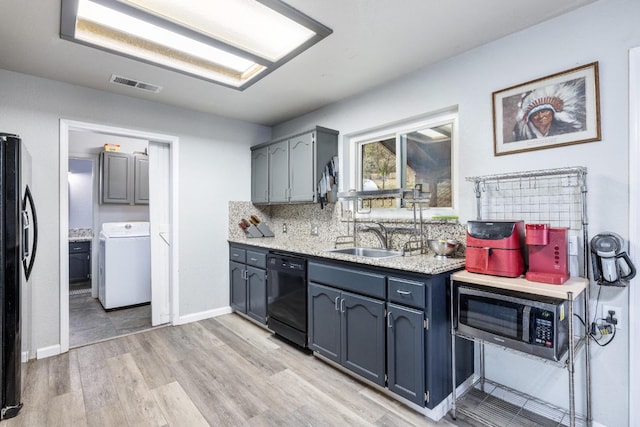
415,153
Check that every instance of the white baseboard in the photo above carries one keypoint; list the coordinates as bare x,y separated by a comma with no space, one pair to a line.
44,352
202,315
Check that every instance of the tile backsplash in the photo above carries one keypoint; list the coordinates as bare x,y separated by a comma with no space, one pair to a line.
333,224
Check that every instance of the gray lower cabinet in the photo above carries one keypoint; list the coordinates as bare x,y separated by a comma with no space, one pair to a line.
348,329
411,344
405,352
79,261
248,282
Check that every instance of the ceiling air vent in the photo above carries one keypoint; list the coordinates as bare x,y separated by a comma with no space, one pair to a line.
135,83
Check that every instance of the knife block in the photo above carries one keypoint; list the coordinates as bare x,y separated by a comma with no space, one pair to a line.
259,230
252,231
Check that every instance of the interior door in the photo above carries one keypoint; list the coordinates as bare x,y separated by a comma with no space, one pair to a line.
159,205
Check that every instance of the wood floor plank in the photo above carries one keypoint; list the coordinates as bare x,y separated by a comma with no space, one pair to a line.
219,372
67,410
220,394
154,369
177,407
107,416
136,399
247,350
293,388
248,331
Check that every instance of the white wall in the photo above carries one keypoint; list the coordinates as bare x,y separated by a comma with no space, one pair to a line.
214,168
80,193
604,32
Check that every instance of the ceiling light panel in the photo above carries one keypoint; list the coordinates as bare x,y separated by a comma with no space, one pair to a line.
245,24
232,42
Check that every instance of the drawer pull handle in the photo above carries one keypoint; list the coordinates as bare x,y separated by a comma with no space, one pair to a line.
401,292
254,259
236,255
336,303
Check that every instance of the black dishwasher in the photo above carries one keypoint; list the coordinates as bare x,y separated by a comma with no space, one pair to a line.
287,297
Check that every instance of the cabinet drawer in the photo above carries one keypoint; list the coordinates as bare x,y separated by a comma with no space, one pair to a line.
79,247
407,292
237,254
362,282
257,259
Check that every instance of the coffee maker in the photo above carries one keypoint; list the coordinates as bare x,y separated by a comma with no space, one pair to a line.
548,254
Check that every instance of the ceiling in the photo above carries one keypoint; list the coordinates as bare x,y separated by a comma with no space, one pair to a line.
373,42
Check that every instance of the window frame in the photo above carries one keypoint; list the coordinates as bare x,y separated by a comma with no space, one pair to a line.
395,130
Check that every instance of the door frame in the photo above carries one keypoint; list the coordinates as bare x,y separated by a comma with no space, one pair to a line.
634,231
71,125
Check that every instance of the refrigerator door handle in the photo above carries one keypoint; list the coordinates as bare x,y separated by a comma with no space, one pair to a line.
26,250
29,252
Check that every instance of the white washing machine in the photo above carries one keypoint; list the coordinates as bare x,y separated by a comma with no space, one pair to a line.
124,264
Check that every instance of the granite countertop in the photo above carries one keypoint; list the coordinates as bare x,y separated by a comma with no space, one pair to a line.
80,235
418,263
80,239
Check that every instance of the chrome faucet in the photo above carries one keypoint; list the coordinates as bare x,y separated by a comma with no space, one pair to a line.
380,232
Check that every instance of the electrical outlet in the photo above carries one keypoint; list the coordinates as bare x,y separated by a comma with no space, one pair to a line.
618,314
314,229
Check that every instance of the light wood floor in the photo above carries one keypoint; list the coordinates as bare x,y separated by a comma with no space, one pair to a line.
218,372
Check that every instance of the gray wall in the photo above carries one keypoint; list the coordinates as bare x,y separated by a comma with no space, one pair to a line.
214,168
604,32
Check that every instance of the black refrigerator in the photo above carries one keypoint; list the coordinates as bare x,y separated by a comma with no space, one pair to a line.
18,240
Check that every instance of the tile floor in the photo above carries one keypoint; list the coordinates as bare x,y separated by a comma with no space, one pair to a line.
90,323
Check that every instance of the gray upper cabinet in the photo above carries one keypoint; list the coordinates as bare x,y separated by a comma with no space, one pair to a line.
293,166
115,177
301,184
279,172
260,175
124,179
141,179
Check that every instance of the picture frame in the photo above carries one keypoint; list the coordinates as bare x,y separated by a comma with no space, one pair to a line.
553,111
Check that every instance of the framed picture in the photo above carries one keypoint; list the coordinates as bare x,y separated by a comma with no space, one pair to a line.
560,109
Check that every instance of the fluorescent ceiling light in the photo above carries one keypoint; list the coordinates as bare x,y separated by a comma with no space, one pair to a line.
248,25
232,42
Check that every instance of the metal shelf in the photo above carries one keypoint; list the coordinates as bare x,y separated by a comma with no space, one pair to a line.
496,405
557,197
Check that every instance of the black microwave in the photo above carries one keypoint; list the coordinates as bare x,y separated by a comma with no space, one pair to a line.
529,323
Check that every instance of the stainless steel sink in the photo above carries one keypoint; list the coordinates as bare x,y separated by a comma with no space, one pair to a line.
368,252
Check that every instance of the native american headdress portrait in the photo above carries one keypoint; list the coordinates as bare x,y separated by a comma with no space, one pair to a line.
564,105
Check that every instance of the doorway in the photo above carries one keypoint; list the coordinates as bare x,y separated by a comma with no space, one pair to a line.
163,262
634,231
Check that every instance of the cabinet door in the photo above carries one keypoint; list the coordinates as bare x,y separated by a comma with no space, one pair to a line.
324,321
257,294
260,175
279,172
405,352
238,284
301,177
141,180
363,336
115,170
79,267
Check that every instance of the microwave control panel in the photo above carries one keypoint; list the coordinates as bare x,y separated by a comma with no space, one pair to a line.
543,328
